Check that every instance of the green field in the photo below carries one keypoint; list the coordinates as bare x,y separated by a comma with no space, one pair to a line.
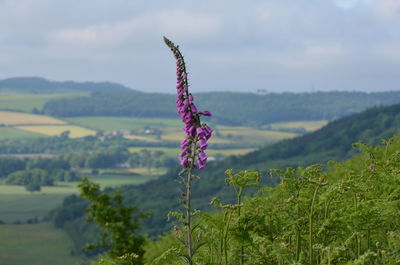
17,204
13,133
34,244
174,152
113,180
172,130
308,126
27,102
123,123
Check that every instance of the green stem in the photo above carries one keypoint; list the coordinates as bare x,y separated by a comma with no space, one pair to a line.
239,201
226,238
189,216
310,226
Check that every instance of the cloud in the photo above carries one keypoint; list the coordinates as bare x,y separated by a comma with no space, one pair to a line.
147,27
387,9
276,45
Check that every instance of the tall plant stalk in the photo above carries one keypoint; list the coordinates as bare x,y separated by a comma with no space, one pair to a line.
193,145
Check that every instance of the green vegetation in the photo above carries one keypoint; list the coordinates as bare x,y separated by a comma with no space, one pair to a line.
117,222
348,214
331,142
30,102
116,180
19,205
37,85
253,110
13,133
296,126
124,123
34,244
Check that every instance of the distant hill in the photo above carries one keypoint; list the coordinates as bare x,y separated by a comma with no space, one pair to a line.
38,85
228,108
332,142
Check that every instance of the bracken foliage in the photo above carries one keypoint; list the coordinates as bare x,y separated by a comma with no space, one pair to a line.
348,213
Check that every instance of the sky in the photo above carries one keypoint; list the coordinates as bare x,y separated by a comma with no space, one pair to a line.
229,45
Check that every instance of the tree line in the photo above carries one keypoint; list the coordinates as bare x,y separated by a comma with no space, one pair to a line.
253,110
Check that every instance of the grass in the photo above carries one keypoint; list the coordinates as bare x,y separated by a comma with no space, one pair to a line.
142,138
34,244
309,126
54,130
123,123
13,133
27,102
18,118
113,180
16,204
174,152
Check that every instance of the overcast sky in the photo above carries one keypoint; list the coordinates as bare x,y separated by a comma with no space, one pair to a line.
229,45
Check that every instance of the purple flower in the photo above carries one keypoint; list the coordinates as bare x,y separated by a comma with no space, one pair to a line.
206,113
200,164
200,132
184,162
195,142
202,156
193,108
203,144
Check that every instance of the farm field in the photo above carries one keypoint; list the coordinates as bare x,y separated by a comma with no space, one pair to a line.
13,133
34,244
308,126
174,152
28,102
172,130
17,204
113,180
123,123
19,118
54,130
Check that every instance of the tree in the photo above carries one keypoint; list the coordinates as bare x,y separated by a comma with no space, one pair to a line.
118,222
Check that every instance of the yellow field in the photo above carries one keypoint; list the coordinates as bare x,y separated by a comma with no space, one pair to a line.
247,132
75,131
231,134
17,118
309,126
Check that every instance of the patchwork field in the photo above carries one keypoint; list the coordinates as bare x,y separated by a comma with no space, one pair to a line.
174,152
308,126
17,204
171,130
19,118
123,123
35,244
28,102
13,133
54,130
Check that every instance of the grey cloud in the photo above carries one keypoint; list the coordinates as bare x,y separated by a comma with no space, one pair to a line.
278,45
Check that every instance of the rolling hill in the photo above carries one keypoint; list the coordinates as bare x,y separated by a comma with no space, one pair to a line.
253,110
38,85
332,142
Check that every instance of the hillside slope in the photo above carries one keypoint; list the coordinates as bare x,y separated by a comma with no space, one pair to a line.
333,142
228,108
38,85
